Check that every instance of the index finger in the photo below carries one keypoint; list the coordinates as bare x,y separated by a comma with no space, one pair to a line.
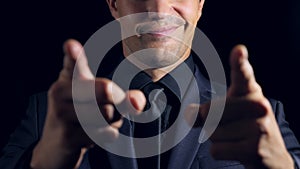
75,62
242,75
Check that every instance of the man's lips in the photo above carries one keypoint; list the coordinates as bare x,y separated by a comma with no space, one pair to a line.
164,31
163,27
158,32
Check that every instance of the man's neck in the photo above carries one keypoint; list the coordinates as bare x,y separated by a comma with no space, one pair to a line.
158,73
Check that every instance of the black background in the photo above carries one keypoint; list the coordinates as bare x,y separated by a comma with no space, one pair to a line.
32,34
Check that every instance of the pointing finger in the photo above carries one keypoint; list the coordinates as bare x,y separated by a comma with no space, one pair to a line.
75,62
242,76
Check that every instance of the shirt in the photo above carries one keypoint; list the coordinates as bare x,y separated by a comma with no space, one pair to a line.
168,85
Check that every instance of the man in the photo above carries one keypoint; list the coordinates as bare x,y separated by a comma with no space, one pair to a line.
263,140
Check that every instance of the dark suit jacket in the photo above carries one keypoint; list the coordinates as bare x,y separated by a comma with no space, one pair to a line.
188,154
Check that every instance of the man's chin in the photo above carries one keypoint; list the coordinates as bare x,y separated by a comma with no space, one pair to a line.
155,60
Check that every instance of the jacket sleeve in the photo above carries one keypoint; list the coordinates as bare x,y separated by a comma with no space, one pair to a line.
290,140
17,152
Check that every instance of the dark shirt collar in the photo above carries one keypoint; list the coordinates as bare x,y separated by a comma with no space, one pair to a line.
108,67
142,79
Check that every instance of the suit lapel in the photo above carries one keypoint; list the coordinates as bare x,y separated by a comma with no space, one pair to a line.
185,152
119,162
100,158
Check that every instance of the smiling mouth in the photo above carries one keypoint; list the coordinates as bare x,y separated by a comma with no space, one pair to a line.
160,32
159,28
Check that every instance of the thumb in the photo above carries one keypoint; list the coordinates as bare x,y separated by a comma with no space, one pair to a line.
75,62
242,76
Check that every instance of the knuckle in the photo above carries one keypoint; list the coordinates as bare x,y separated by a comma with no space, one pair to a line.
65,73
263,124
258,87
115,135
109,134
106,88
260,152
117,124
261,106
55,90
107,111
109,92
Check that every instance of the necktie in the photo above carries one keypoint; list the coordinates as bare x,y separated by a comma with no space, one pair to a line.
161,103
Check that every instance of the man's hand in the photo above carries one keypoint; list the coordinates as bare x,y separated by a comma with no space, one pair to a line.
63,141
248,131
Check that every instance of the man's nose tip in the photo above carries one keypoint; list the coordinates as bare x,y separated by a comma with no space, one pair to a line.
158,8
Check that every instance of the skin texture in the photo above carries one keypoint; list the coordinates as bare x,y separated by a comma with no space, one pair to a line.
258,145
174,50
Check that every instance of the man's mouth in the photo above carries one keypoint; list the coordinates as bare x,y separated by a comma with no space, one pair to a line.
159,28
159,31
